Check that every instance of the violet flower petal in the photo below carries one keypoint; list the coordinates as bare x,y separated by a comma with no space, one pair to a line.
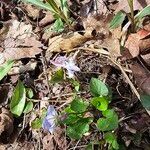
49,122
67,63
59,61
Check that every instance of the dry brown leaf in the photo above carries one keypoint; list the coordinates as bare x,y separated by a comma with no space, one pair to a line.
6,121
20,42
112,43
132,44
137,43
102,7
142,77
47,19
138,5
146,58
32,11
48,143
58,43
60,139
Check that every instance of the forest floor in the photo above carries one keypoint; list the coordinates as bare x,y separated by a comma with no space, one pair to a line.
35,44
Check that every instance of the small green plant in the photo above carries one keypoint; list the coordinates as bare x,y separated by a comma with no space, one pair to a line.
134,19
20,101
5,68
59,8
78,120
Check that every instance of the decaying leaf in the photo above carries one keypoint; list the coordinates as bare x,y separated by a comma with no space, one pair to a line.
6,121
20,42
49,18
32,11
142,77
48,142
59,43
138,43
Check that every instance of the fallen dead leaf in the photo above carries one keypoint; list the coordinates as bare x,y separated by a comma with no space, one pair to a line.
6,121
20,68
48,142
60,139
142,77
20,42
32,11
112,43
58,43
47,19
102,7
138,43
68,43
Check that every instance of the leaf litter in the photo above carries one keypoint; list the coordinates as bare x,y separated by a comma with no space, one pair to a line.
20,42
98,49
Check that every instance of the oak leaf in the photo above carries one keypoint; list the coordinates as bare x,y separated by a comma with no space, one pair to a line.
20,42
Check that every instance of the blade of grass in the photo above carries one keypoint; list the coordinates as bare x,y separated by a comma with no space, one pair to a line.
40,4
58,11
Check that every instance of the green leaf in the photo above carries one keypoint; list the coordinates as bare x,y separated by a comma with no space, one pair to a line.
90,146
64,7
44,112
144,12
103,124
4,69
58,26
117,20
58,76
37,123
101,103
145,100
77,130
115,144
76,84
40,4
68,110
57,10
28,107
18,99
111,139
71,119
110,122
98,88
78,105
29,93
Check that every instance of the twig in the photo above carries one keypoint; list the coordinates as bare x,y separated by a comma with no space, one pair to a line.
129,82
45,73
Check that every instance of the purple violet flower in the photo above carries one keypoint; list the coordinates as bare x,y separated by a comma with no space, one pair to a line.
49,122
67,63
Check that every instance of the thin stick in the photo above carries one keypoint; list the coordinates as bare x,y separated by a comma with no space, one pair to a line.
129,82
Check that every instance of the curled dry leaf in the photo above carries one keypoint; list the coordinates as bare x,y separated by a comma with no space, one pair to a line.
138,43
59,43
49,18
20,42
6,121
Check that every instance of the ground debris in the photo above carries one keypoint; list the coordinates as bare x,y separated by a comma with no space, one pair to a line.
20,42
